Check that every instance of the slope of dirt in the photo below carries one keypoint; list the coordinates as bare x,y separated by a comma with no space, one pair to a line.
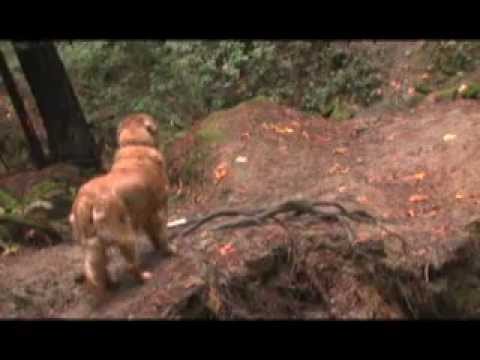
399,166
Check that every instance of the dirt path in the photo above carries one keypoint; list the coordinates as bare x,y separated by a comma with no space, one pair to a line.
400,166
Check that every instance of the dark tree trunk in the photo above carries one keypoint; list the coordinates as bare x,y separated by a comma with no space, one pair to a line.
35,147
69,137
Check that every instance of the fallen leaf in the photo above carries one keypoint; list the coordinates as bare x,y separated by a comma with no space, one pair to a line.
245,136
449,137
419,252
340,150
266,126
411,213
147,275
11,250
321,139
241,159
459,196
431,213
362,199
193,281
226,249
362,236
417,198
411,91
342,189
305,135
177,222
337,168
284,130
462,88
221,171
442,230
418,176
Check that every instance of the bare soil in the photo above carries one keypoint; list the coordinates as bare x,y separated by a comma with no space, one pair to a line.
367,163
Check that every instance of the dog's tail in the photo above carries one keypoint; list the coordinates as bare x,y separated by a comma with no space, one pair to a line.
103,218
82,219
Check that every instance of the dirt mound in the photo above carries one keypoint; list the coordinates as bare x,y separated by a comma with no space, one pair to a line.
414,170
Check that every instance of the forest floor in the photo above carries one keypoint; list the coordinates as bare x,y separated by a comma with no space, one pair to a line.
419,170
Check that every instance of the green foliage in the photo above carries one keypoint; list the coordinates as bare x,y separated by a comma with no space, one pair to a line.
451,57
43,191
179,81
448,94
472,92
8,202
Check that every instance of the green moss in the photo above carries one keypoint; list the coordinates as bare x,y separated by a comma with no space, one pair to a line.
466,296
211,135
327,109
341,111
193,171
8,202
447,94
211,132
415,100
423,88
44,190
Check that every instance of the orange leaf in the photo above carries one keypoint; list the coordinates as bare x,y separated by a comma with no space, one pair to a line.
449,137
419,252
337,168
417,198
431,213
418,176
221,171
321,139
362,236
340,150
245,136
362,199
305,135
284,130
226,249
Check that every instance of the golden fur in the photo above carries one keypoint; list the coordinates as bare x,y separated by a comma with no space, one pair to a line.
113,209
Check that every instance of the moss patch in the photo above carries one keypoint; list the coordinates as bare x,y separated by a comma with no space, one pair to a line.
447,94
341,111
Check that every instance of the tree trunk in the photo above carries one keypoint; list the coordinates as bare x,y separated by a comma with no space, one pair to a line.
35,147
69,137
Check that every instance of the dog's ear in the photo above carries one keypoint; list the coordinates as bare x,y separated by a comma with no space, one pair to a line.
150,125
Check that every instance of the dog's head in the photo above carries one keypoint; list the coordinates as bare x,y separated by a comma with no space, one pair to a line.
138,129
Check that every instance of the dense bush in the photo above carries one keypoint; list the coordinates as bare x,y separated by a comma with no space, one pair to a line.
179,81
451,57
